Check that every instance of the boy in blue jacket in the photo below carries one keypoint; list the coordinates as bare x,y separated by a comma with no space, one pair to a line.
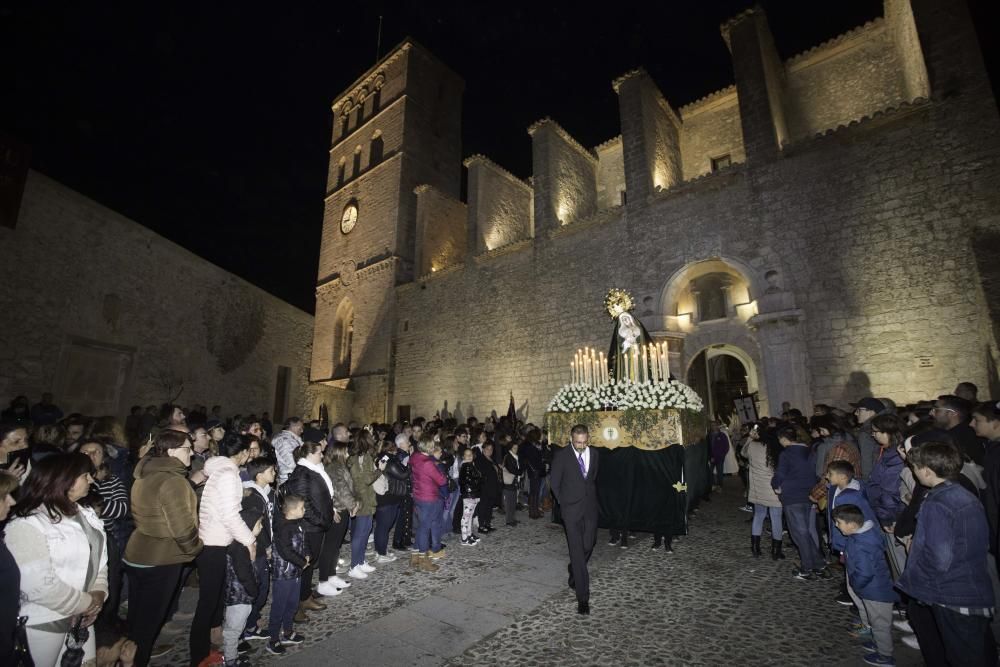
793,479
868,576
951,599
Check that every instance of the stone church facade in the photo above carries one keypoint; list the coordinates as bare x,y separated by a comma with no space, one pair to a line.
819,231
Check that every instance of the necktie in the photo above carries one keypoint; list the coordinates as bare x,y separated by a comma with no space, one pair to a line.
583,466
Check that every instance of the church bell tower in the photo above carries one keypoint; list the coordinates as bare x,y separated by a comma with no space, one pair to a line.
396,127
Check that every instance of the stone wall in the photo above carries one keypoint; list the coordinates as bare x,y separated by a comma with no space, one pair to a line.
565,176
851,78
868,234
107,314
711,129
852,249
500,206
610,173
441,236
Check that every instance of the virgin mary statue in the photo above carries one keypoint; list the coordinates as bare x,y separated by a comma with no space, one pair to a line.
627,333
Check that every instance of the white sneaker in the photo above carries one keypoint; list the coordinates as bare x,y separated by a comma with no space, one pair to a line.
357,573
326,588
911,641
903,625
365,567
338,582
371,538
388,558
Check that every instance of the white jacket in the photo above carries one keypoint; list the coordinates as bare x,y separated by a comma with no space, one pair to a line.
219,521
284,445
53,559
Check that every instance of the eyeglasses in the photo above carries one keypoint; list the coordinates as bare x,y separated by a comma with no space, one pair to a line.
938,408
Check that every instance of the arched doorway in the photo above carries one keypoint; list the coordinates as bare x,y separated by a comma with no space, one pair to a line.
720,374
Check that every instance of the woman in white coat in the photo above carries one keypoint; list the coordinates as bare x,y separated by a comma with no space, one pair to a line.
61,551
762,452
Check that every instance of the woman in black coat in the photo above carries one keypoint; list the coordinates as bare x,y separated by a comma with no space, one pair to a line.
10,576
490,495
309,480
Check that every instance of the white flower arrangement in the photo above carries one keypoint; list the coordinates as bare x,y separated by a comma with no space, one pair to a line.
625,396
575,398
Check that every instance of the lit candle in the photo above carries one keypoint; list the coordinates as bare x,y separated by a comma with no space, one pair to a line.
666,361
642,364
653,362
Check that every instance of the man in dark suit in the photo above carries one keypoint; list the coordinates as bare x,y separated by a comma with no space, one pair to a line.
574,483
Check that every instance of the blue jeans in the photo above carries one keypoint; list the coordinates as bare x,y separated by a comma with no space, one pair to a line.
453,499
263,584
361,528
757,527
428,513
719,467
385,516
798,517
284,602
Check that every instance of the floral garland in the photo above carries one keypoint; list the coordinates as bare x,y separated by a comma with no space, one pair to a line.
626,396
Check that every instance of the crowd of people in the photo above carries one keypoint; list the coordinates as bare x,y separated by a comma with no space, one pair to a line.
103,512
900,502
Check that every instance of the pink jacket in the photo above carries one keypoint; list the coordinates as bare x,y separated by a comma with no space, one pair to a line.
219,521
427,479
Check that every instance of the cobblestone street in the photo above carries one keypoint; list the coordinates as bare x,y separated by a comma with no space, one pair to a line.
505,602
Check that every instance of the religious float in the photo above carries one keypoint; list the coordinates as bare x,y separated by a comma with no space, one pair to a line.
650,427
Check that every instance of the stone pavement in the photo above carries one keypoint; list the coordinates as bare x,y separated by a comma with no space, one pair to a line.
505,602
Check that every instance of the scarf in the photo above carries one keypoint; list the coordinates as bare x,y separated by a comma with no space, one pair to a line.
318,469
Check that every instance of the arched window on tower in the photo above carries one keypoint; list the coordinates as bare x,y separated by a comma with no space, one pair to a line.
711,292
343,339
357,163
375,150
376,100
344,122
361,114
341,168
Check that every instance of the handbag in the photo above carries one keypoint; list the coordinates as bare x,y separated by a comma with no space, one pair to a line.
381,485
22,654
76,639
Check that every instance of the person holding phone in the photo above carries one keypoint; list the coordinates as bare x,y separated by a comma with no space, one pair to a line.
14,450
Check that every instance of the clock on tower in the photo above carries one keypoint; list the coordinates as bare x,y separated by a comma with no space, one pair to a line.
350,218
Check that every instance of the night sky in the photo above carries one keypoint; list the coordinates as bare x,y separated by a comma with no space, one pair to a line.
209,122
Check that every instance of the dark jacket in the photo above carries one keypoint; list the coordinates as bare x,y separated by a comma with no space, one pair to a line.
241,577
867,568
165,511
718,444
288,554
490,490
513,467
991,495
947,560
532,459
344,498
795,475
852,495
970,444
577,496
868,449
906,523
398,477
470,480
883,485
10,602
319,505
262,507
